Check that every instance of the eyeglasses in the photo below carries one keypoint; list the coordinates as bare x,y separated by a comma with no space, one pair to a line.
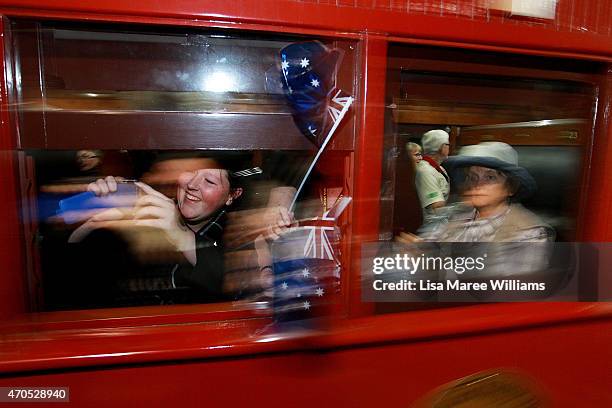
473,179
417,154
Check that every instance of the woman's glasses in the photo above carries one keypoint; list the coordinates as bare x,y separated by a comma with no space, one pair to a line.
489,177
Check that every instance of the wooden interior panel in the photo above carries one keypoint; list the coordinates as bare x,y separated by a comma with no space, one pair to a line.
143,90
442,59
172,130
457,113
558,133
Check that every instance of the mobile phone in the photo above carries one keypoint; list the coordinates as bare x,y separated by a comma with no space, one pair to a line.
80,206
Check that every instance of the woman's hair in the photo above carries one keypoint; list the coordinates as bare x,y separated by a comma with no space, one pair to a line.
513,185
411,146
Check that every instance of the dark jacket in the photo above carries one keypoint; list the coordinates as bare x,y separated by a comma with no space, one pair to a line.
206,276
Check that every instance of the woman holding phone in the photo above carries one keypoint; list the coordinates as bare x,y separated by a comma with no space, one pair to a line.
192,223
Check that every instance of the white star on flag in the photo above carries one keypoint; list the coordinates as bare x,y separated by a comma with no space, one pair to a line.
284,286
314,83
306,305
285,65
305,273
319,291
304,63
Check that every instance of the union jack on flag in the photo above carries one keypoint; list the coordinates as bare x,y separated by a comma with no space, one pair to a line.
322,238
306,269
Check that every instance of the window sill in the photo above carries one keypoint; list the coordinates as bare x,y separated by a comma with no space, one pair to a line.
166,337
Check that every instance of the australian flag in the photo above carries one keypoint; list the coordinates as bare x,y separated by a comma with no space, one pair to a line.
306,270
307,266
306,258
308,74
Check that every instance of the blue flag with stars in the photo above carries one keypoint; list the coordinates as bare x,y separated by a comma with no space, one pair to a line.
306,270
308,73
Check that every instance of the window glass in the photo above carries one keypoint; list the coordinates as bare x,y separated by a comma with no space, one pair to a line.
161,166
113,250
463,124
546,122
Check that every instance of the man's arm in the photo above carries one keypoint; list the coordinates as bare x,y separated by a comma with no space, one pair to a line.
437,204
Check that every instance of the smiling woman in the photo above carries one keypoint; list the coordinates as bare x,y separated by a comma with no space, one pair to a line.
190,227
168,227
203,191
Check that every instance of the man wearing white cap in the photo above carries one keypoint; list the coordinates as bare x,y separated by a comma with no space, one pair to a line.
432,181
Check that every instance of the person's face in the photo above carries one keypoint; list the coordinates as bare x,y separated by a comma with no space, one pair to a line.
202,192
87,159
485,187
417,156
444,150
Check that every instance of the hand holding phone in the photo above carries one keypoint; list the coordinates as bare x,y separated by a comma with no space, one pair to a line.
103,194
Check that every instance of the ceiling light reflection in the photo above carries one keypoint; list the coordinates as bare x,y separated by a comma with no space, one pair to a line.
219,81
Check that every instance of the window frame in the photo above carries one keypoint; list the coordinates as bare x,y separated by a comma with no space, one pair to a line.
344,141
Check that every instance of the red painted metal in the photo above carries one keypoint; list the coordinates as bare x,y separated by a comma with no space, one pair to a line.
368,162
134,316
392,371
11,291
83,347
351,377
598,216
480,28
376,360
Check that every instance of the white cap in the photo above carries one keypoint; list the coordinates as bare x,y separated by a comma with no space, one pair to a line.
497,150
433,140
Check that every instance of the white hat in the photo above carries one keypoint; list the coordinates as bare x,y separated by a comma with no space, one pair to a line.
494,155
433,140
498,150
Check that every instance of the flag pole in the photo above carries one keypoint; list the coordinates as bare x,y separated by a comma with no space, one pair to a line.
337,120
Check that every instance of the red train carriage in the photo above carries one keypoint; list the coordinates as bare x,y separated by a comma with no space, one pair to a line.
116,88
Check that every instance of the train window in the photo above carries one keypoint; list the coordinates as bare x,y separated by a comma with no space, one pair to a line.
160,166
520,121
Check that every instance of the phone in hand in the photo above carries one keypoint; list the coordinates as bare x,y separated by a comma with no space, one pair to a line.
81,206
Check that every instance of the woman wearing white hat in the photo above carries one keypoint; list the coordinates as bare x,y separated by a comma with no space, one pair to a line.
492,184
519,243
